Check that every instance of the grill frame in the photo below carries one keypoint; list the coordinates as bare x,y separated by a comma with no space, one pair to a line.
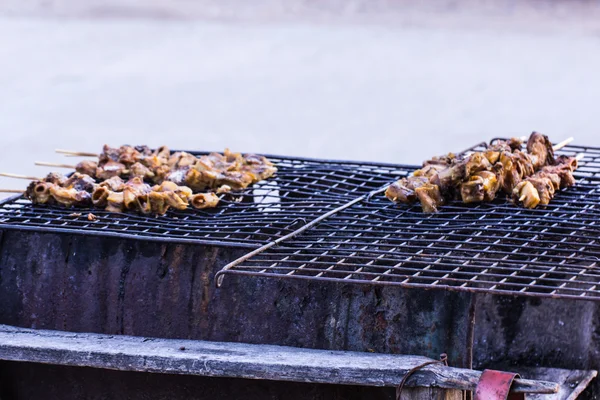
271,260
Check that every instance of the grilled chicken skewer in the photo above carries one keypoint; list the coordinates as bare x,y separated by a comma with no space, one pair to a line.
541,187
440,176
114,194
477,177
508,171
212,171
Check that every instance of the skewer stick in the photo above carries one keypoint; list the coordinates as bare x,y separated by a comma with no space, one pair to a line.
562,144
47,164
580,156
11,191
30,178
76,153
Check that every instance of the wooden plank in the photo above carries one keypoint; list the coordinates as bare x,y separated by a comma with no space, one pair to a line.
235,360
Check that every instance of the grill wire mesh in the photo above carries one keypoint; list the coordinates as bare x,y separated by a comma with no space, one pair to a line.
550,251
302,190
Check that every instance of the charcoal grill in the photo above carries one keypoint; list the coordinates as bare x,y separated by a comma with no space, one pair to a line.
329,258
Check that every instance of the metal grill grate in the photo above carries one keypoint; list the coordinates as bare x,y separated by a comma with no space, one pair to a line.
302,190
497,248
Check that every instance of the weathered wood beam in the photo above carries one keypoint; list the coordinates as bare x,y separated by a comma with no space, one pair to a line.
236,360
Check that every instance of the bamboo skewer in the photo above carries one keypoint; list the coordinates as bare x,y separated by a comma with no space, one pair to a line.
70,153
17,176
47,164
11,191
562,144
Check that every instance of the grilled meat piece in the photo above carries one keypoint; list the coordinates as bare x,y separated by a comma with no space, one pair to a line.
79,181
115,184
139,169
135,193
183,191
510,175
204,200
403,190
109,169
55,178
144,150
544,185
69,197
115,202
175,196
87,167
163,152
482,186
447,159
100,196
56,189
570,162
540,149
158,203
108,154
235,180
181,160
430,197
477,162
39,192
526,194
199,180
492,153
104,189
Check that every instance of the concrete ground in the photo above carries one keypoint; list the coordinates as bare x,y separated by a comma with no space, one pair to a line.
377,80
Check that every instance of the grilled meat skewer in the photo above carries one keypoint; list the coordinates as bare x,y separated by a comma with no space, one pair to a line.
200,173
116,195
476,177
541,187
445,173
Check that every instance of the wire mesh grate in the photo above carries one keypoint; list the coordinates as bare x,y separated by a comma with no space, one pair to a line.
496,247
302,190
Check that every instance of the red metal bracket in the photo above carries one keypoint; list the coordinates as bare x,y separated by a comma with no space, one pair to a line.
495,385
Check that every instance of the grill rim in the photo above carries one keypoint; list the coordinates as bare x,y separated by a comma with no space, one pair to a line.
416,286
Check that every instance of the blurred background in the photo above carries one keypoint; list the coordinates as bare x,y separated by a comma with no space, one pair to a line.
393,81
